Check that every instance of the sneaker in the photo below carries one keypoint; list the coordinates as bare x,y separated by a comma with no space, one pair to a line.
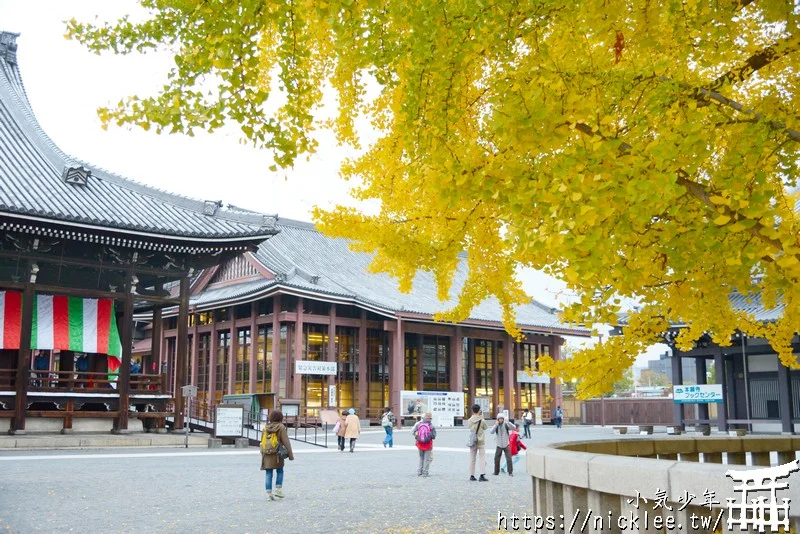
279,494
270,497
473,479
425,475
483,479
511,474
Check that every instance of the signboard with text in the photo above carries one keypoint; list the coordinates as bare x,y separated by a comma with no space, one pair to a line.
700,393
440,404
532,377
310,367
228,420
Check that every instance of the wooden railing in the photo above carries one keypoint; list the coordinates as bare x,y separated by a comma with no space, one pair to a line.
82,381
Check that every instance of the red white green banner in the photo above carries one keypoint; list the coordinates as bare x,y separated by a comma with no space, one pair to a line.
64,323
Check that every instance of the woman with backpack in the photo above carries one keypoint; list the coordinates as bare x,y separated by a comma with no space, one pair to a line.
424,434
388,421
275,448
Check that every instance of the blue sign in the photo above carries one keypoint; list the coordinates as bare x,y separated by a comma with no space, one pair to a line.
700,393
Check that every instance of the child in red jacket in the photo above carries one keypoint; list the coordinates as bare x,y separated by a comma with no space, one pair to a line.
514,443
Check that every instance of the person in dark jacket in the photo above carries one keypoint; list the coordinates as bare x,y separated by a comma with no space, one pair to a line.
502,430
271,460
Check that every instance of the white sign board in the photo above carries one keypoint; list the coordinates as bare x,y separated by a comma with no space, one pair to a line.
701,393
332,395
449,403
228,421
189,391
483,402
532,377
310,367
442,420
537,415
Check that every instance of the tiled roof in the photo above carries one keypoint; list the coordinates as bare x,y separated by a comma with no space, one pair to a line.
304,259
32,186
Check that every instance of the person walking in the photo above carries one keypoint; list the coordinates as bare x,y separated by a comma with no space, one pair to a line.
514,444
559,416
424,434
342,426
352,428
527,420
477,426
275,448
388,420
502,430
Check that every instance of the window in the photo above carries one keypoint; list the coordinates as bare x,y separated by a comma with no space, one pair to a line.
436,363
377,368
316,307
527,360
242,378
203,362
351,312
222,314
484,356
265,306
243,311
205,318
288,303
347,365
315,347
412,360
264,359
223,351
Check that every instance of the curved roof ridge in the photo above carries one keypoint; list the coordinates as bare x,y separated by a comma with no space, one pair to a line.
21,108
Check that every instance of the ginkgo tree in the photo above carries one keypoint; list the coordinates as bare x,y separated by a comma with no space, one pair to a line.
634,149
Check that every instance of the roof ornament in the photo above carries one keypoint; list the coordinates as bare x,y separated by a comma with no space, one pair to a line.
8,47
210,207
268,222
76,175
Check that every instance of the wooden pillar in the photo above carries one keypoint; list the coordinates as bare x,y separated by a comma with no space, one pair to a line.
180,347
212,364
677,379
420,357
363,365
253,384
397,357
276,345
700,371
721,378
332,356
195,354
471,394
23,362
155,339
126,339
234,354
457,360
509,378
785,399
555,385
495,380
299,342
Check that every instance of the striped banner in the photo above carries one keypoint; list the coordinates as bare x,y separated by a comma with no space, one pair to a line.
72,323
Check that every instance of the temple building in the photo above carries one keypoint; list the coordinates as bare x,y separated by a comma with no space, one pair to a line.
80,248
305,297
759,393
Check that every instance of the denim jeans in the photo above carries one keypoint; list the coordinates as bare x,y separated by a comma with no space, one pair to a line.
514,460
278,479
388,440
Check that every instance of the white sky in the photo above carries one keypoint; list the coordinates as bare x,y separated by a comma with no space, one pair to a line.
66,84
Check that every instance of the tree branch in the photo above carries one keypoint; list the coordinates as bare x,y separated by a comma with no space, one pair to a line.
756,62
